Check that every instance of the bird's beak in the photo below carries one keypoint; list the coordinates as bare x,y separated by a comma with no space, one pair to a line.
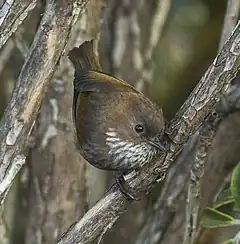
155,142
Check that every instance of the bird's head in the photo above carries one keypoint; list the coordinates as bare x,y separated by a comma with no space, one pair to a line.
134,131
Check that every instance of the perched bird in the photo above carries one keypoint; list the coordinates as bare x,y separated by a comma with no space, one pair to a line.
117,127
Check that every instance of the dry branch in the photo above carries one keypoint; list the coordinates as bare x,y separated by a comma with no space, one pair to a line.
168,212
206,139
20,114
227,105
189,118
155,33
12,14
230,20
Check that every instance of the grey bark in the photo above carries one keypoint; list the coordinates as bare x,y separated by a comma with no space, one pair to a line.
47,221
230,20
132,30
221,159
12,14
22,110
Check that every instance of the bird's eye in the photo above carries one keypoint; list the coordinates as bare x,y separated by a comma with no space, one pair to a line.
139,129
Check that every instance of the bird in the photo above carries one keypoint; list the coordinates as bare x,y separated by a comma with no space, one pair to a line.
117,128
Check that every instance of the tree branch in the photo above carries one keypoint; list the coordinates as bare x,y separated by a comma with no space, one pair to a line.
228,104
12,14
135,29
230,20
155,33
205,141
36,73
168,211
173,196
199,104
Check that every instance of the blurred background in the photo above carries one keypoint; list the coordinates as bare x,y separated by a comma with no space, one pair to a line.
56,186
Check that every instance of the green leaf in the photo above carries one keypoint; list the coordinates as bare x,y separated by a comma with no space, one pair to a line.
235,187
213,218
230,241
225,197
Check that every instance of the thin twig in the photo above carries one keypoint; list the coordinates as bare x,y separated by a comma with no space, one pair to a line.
6,54
12,14
136,28
155,32
236,239
199,104
20,44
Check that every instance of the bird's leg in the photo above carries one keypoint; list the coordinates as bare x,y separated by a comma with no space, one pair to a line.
170,138
168,134
124,187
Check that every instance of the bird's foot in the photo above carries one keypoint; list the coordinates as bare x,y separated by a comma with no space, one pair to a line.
125,188
170,138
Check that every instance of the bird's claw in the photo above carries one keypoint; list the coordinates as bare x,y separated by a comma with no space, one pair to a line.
170,138
125,188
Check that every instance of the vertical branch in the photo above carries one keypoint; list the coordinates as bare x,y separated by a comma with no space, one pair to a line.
205,141
4,234
197,171
231,17
155,31
36,73
135,29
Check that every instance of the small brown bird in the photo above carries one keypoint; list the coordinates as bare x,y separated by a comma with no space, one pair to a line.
117,127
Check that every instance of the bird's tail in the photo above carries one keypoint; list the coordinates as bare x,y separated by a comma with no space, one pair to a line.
83,58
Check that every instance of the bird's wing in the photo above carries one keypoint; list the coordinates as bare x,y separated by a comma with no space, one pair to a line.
94,81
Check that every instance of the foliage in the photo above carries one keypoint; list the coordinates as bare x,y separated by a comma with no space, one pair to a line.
214,216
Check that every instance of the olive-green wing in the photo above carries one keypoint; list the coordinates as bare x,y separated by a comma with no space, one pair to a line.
93,81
